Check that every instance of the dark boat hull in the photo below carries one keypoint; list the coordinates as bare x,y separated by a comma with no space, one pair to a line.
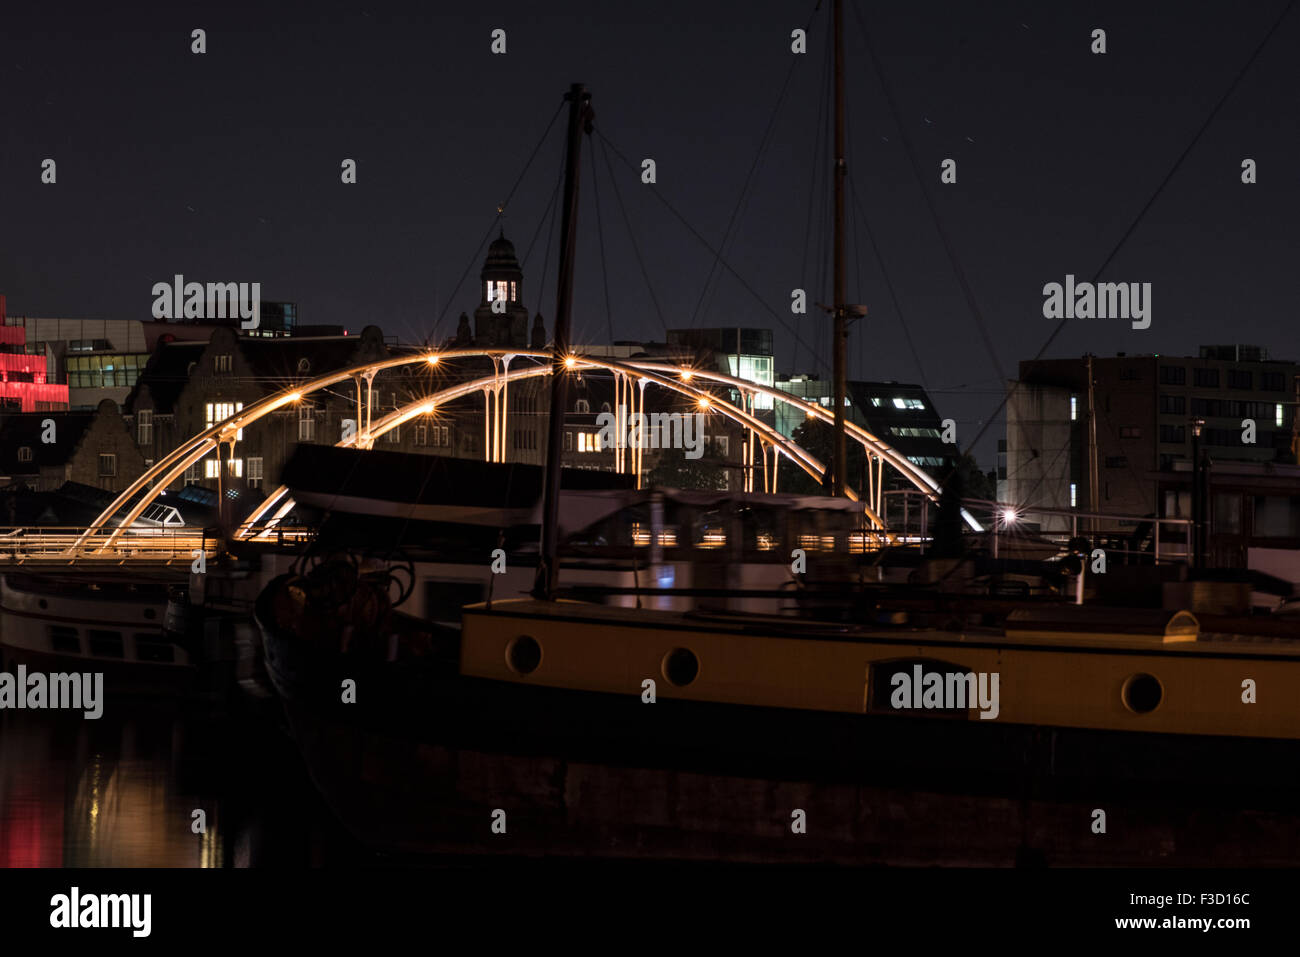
424,757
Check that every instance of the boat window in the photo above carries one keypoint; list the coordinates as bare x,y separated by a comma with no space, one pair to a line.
65,639
107,644
149,648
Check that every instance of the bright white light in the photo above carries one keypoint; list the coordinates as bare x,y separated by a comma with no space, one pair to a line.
433,360
1009,516
570,362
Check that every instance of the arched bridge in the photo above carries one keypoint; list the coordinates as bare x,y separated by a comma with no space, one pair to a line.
631,378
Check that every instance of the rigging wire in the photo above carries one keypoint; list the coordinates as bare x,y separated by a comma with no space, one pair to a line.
767,306
819,139
763,144
636,249
1168,177
600,236
495,220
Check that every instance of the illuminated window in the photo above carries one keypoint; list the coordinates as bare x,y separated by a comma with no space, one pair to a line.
1277,415
235,467
211,468
220,411
1074,495
144,427
903,403
1074,408
513,295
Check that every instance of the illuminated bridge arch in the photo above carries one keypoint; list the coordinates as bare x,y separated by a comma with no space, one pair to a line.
159,476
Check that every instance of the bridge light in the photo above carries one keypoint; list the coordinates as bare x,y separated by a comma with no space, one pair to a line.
570,361
295,396
433,359
1009,516
705,403
427,408
687,375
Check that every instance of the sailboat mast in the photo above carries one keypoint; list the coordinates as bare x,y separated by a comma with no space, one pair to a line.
839,465
580,117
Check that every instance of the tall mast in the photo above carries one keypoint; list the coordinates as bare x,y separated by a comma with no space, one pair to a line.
580,117
839,462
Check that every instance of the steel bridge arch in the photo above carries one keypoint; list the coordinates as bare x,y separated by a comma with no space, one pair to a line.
172,465
426,404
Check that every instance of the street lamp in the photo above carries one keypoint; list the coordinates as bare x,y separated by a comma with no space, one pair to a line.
1198,496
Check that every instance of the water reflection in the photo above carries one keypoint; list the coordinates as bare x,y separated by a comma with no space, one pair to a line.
122,791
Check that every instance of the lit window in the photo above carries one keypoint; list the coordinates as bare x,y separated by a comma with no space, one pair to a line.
1074,408
582,441
1277,415
236,467
513,296
210,468
875,400
1074,495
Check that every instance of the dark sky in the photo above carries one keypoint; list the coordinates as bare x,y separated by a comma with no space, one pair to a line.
225,167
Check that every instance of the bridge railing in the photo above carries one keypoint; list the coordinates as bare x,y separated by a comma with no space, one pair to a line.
60,543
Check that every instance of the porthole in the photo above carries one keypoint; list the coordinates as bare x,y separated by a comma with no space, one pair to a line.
1142,693
681,667
523,654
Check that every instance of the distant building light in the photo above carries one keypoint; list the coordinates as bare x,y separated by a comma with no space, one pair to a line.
1074,408
1074,495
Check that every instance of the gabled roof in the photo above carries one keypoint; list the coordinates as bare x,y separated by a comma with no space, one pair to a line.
165,374
25,429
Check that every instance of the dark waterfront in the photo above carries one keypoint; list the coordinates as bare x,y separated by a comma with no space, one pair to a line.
121,791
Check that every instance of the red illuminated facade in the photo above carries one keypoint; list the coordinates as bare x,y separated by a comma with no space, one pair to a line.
24,377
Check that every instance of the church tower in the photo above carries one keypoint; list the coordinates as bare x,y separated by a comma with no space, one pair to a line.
501,285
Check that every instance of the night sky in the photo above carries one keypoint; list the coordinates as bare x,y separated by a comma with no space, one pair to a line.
226,167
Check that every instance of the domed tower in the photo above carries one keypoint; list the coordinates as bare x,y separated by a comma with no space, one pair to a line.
502,286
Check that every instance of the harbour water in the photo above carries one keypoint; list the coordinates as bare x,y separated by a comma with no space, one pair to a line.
123,791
